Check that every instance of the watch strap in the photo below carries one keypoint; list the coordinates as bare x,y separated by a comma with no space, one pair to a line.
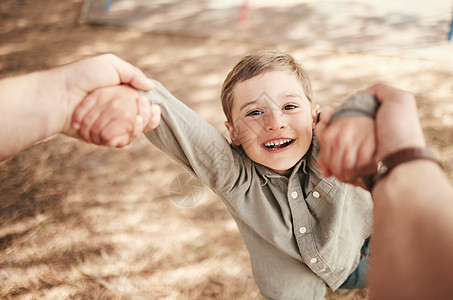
390,161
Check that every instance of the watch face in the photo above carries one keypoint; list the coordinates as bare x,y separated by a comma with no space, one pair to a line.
381,168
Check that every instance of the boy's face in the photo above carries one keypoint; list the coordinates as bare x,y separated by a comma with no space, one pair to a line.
272,120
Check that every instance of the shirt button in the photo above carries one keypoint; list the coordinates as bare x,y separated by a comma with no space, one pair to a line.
313,260
302,229
316,194
294,195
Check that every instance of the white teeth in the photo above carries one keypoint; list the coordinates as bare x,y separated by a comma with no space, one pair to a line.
277,142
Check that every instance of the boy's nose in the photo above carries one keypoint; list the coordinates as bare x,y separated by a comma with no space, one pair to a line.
275,120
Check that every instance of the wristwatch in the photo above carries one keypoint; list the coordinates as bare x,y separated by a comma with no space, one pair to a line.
386,164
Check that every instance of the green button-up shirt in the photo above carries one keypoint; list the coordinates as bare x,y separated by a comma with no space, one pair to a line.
303,231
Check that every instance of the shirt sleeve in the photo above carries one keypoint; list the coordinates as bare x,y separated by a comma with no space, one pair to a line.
357,105
193,142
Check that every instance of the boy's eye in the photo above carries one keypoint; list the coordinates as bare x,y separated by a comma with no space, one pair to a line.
254,113
289,107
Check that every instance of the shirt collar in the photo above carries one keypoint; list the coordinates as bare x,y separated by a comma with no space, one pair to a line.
302,164
266,173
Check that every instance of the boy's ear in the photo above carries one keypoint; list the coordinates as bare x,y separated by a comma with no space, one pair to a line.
314,115
233,137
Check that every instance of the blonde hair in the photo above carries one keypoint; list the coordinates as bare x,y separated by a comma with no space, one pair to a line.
258,63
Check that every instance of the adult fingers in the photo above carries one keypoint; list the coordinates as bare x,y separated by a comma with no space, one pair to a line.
328,137
342,149
129,73
100,71
397,123
138,128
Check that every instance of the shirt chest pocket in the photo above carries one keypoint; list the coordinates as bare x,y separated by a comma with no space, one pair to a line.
326,204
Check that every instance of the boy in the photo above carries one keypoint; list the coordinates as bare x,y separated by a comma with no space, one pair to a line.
302,230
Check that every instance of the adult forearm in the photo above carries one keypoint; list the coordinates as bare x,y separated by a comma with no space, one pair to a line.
31,110
412,238
41,104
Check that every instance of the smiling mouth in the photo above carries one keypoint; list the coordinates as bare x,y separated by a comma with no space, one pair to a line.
278,144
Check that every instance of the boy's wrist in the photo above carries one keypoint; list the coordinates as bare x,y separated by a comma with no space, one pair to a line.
357,105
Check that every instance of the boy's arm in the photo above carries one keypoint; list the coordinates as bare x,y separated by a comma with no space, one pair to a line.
181,134
193,142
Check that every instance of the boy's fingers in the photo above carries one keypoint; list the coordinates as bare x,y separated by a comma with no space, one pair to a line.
87,123
111,123
366,153
92,110
113,142
336,158
326,151
150,114
138,128
320,132
349,159
114,133
119,141
116,128
319,129
132,132
98,127
349,153
95,132
327,113
348,167
82,109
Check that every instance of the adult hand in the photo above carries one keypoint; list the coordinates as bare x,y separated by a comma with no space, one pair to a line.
105,70
38,105
397,123
112,116
350,156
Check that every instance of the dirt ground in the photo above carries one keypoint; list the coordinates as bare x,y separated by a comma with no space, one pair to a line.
82,222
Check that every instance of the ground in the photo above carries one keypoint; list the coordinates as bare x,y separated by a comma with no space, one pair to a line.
82,222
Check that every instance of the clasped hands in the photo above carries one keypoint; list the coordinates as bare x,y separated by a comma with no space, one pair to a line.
108,110
350,147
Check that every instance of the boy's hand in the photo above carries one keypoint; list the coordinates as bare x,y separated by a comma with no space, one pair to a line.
347,146
114,116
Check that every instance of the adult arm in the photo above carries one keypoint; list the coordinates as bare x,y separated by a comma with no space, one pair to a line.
40,104
413,218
